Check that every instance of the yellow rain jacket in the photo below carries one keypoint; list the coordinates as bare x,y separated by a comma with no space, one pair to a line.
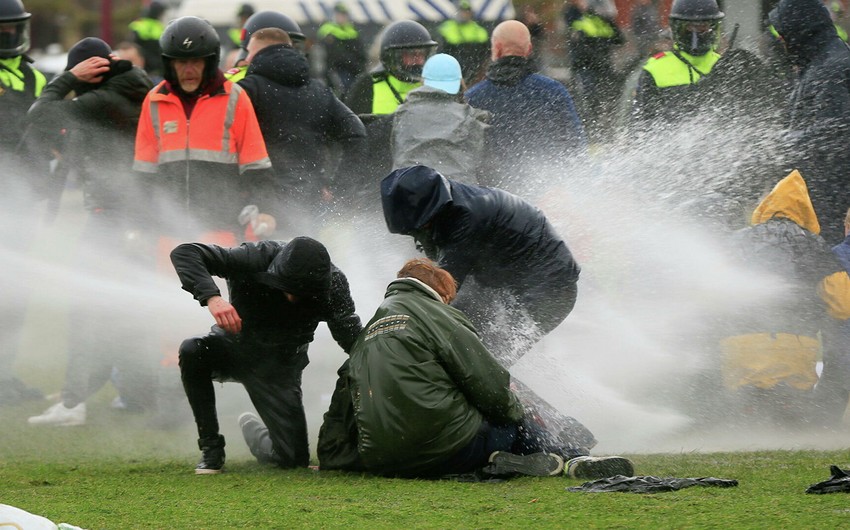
782,340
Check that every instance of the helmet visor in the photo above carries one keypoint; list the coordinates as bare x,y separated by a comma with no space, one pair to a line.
406,63
14,38
695,37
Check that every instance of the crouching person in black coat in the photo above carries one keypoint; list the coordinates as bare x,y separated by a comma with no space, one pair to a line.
517,280
279,292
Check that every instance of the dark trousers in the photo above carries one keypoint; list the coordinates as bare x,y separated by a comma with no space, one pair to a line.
270,374
512,321
476,453
522,438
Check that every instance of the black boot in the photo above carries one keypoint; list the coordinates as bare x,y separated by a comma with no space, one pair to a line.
213,459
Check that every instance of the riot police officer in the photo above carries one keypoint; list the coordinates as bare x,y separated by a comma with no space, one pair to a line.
146,31
666,87
374,96
20,85
405,46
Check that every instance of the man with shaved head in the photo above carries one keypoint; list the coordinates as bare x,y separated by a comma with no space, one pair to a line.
535,128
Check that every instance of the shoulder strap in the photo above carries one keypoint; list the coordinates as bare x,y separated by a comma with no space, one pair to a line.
691,67
29,78
394,91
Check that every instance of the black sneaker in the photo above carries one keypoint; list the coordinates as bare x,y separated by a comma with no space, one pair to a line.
535,465
212,460
593,467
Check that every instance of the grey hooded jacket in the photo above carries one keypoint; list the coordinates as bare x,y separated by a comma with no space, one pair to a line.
432,128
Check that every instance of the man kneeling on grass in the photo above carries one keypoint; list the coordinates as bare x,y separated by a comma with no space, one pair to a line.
279,292
430,400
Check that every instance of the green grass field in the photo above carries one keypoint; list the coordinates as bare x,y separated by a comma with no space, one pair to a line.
114,474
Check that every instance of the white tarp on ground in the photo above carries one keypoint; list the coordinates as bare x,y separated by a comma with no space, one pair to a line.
314,12
11,517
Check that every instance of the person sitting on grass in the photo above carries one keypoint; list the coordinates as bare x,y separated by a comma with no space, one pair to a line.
429,400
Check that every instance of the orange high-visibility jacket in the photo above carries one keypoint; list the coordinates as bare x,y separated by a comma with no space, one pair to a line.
223,129
199,164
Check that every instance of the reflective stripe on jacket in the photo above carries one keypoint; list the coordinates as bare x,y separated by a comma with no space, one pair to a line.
384,90
224,130
669,70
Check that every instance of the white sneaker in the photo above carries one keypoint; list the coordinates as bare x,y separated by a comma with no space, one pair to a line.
61,415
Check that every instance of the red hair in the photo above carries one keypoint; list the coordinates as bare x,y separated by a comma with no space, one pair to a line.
429,273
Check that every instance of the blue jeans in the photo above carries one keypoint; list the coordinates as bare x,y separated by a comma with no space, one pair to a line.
522,438
476,453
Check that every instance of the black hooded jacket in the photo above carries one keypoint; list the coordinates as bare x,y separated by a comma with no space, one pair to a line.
498,238
300,119
267,316
100,124
819,118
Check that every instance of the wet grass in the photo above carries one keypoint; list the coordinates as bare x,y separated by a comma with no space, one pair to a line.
113,473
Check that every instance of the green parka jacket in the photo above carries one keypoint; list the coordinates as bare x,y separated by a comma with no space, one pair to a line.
422,382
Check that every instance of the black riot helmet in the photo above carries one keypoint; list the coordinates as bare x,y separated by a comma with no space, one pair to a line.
189,38
271,19
695,25
14,29
155,10
405,46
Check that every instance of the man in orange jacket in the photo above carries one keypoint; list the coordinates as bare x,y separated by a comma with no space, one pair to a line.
209,170
201,148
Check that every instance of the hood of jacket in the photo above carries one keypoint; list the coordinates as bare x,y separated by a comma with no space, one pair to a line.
116,69
132,83
302,268
412,196
790,200
282,64
510,70
805,26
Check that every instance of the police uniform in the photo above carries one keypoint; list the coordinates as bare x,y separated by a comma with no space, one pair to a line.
378,93
667,84
146,33
20,86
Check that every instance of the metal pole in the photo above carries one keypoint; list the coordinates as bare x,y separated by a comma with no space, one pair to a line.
106,21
